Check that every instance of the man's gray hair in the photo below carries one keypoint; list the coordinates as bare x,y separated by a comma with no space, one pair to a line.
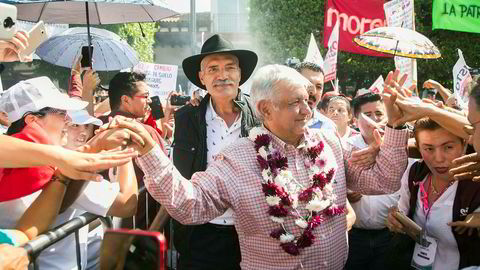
266,79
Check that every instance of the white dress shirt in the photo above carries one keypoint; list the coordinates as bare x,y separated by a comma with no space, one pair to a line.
371,211
447,256
220,135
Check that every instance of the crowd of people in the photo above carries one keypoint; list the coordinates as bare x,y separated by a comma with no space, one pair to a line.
284,177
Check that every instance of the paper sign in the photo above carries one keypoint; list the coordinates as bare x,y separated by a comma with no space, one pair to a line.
461,78
162,79
399,13
377,86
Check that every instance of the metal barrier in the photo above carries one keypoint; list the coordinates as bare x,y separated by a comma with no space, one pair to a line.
36,246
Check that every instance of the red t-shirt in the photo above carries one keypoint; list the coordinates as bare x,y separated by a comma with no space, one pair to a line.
18,182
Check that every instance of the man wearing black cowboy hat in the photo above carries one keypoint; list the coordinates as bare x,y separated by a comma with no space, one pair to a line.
201,132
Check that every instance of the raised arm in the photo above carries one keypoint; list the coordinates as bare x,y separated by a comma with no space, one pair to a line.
16,153
190,202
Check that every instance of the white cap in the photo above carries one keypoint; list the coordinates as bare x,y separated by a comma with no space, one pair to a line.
82,117
33,95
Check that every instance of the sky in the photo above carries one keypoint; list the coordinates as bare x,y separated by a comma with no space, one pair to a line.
183,6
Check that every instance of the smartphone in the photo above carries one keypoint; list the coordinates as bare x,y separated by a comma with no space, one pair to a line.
37,35
86,59
410,227
179,100
132,249
8,18
157,109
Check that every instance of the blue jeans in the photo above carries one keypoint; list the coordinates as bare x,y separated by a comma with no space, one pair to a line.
367,249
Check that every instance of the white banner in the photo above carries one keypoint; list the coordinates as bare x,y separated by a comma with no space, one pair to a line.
377,86
400,13
461,78
330,65
161,79
313,53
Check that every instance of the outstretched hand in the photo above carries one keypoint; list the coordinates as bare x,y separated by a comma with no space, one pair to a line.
142,141
365,158
467,167
83,166
470,224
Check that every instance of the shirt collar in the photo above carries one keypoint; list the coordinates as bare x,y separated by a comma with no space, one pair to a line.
277,141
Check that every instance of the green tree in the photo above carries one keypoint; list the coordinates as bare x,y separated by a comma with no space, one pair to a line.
282,30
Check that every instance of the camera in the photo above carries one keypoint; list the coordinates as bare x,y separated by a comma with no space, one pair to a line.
8,18
179,100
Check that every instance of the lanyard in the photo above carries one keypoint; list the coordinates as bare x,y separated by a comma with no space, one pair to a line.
424,195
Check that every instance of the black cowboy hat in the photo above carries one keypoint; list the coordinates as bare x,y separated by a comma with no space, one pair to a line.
217,44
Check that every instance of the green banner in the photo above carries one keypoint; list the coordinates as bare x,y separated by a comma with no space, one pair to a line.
457,15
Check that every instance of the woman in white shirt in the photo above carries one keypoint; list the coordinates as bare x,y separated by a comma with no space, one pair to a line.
435,198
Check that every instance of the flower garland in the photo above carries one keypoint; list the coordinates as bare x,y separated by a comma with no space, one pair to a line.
283,192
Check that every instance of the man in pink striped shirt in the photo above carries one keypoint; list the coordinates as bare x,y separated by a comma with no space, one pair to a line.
234,180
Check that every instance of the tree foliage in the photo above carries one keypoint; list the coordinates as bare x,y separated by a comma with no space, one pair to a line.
282,29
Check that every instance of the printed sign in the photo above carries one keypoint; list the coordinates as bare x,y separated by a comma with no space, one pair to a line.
161,79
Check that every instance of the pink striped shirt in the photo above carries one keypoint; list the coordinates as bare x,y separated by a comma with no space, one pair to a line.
234,181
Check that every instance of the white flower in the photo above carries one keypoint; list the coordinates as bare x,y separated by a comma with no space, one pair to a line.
276,219
263,152
287,174
319,193
267,176
273,200
317,204
254,132
294,201
301,223
281,180
286,237
328,189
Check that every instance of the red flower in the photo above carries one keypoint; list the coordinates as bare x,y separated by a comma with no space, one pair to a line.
305,195
315,221
263,163
277,161
320,180
330,174
315,151
306,239
290,248
277,232
269,189
262,140
286,200
335,211
277,211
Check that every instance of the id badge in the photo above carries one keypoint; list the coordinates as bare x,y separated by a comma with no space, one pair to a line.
424,255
